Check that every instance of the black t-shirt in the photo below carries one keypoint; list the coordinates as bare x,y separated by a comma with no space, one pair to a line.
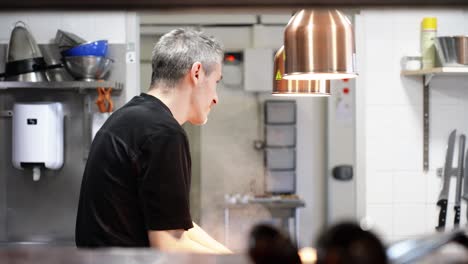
137,177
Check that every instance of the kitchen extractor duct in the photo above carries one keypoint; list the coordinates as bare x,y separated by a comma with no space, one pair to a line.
319,44
296,87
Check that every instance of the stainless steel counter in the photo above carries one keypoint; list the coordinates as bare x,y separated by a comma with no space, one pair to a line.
71,255
281,209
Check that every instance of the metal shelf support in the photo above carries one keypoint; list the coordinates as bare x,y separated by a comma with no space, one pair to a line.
426,82
427,79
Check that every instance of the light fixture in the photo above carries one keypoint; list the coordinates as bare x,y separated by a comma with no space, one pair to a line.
282,87
319,44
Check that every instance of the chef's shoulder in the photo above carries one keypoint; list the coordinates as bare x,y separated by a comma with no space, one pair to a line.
141,116
145,123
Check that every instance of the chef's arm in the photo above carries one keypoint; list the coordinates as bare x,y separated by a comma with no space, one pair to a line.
198,235
193,240
175,241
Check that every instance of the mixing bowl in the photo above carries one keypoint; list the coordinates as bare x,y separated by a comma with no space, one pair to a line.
87,68
93,48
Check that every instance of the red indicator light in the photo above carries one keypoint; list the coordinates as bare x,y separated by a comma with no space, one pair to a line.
230,58
345,80
346,90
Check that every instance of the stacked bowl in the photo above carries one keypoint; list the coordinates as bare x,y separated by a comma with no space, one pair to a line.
87,61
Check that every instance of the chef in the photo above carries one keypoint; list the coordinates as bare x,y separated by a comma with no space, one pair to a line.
136,184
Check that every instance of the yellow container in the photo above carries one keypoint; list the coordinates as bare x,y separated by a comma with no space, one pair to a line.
429,23
428,35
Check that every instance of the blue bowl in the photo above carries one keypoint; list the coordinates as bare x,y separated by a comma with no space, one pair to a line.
93,48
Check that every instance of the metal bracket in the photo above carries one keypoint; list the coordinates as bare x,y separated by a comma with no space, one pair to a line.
440,172
6,113
86,124
426,80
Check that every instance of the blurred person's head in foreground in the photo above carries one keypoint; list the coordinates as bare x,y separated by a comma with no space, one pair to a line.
268,245
348,243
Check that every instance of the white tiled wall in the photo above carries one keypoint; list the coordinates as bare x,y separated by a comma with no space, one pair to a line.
400,197
89,25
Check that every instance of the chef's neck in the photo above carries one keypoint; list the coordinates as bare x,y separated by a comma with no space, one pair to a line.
177,99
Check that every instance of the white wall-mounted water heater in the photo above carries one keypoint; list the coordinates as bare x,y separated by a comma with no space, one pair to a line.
37,137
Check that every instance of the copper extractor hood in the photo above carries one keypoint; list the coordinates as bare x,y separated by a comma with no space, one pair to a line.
296,87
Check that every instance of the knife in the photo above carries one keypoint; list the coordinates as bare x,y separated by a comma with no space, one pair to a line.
443,196
465,184
460,169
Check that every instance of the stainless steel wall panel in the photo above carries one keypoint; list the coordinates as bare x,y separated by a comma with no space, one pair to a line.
45,211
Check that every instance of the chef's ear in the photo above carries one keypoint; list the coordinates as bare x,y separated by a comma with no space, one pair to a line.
195,71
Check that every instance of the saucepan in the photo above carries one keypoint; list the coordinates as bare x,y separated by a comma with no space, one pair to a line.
452,50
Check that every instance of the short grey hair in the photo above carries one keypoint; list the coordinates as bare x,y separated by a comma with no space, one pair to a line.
176,52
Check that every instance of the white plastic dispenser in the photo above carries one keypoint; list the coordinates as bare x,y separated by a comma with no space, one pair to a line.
37,137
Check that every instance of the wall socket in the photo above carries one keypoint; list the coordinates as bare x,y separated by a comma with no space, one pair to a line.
130,57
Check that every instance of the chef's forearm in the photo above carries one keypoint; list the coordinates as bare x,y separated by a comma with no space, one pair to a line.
187,244
170,241
198,235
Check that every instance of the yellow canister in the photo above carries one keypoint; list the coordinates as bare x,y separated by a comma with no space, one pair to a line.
428,34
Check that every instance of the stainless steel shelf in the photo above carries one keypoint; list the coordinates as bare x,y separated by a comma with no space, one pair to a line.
69,85
272,203
438,70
